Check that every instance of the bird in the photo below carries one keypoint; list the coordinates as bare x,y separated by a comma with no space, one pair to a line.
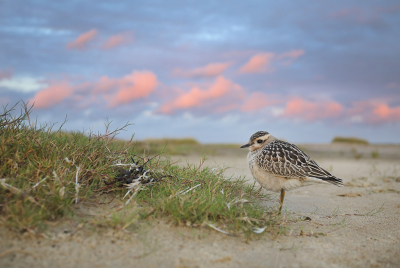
281,166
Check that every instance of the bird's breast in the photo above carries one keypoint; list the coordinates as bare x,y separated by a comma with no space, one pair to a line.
270,181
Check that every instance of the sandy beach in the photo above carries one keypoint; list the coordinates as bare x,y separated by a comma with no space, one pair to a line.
352,226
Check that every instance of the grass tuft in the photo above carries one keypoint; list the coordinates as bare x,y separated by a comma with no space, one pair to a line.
196,196
30,155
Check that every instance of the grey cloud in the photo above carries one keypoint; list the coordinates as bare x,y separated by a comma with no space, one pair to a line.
347,58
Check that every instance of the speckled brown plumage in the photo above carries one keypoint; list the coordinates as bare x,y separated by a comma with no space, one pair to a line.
289,161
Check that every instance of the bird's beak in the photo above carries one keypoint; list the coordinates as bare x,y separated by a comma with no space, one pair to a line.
244,146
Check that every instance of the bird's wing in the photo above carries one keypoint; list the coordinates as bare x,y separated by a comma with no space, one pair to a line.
289,161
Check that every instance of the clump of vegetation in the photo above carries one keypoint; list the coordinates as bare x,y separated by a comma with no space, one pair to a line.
198,196
45,172
350,140
375,154
169,146
185,146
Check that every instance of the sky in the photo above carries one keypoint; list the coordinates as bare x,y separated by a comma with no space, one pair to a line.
217,71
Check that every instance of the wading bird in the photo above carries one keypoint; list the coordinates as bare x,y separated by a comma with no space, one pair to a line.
281,166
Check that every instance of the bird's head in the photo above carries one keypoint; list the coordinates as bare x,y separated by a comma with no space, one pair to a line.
257,140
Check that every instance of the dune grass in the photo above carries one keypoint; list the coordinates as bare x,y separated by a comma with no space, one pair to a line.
45,173
199,196
350,140
39,169
184,146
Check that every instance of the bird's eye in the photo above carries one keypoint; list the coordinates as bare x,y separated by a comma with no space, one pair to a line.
259,141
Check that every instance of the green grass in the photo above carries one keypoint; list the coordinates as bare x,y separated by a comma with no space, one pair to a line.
350,140
196,196
31,154
186,146
40,165
375,154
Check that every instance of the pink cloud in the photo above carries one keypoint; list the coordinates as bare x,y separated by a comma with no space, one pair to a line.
290,56
262,62
53,94
116,40
114,91
82,40
135,86
383,111
105,84
294,54
5,74
312,111
197,97
374,112
258,101
258,63
210,70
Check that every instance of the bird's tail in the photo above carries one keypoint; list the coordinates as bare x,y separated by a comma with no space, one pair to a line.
333,180
320,173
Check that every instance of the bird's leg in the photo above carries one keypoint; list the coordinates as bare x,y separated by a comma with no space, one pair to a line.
282,197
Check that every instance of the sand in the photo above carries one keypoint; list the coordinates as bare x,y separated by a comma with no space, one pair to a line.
353,226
